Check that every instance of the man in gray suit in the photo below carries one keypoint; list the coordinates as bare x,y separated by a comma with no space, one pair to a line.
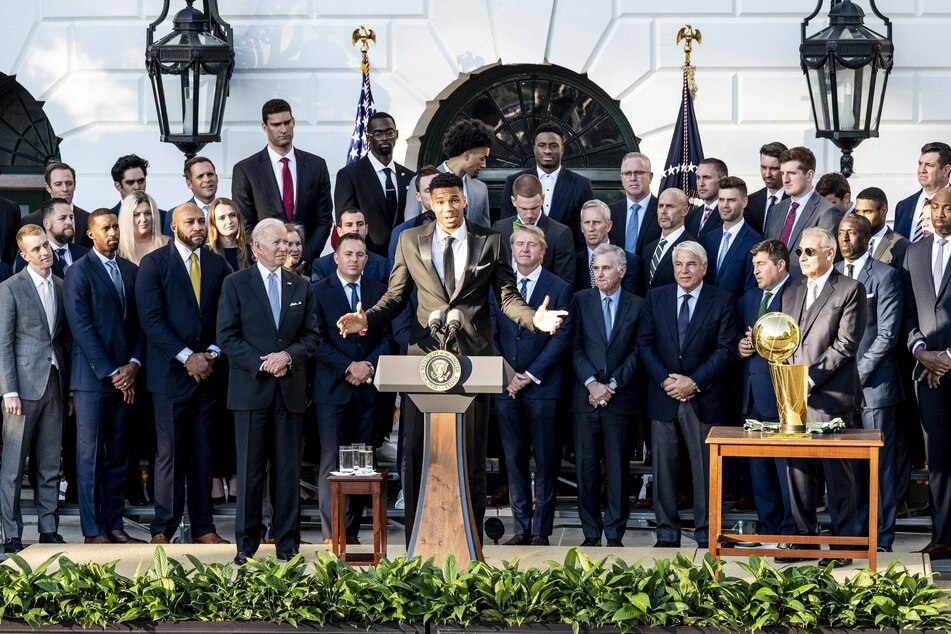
467,144
831,312
878,368
33,343
885,244
804,208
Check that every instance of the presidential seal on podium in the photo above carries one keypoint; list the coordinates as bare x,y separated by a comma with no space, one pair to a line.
440,370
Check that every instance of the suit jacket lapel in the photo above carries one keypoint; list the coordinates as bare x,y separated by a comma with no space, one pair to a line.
816,308
597,313
270,180
556,210
34,295
924,269
374,186
620,315
287,292
474,244
803,217
106,279
698,315
259,291
177,266
425,240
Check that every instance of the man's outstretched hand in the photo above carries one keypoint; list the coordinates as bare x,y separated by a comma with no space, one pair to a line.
548,320
353,322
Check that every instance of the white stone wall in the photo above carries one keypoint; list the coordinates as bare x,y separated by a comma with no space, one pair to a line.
85,58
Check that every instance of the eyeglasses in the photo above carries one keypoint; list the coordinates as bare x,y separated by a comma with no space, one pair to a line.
637,174
380,135
809,251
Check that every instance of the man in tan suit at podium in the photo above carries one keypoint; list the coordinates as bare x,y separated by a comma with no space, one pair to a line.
453,265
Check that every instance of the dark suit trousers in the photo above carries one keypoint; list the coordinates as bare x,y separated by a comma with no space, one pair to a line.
183,454
882,418
530,424
39,427
101,459
935,405
340,425
264,435
600,434
771,493
667,437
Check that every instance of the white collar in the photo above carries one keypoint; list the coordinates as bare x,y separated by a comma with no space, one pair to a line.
184,252
37,280
103,258
378,166
821,281
735,229
878,235
543,174
459,234
674,235
858,264
776,288
344,282
695,293
264,273
275,157
532,277
802,201
644,202
712,206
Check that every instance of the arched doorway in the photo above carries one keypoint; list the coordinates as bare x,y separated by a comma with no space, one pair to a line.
514,100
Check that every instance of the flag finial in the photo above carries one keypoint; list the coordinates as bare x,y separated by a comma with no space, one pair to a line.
363,35
688,35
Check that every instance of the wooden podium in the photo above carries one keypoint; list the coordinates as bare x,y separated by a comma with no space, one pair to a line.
444,521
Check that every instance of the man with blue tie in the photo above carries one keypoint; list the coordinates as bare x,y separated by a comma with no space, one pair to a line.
177,291
350,220
58,220
343,391
767,475
687,339
528,407
634,217
99,293
729,246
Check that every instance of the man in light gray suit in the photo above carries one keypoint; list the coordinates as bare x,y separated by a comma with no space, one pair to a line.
33,356
831,312
804,208
878,368
467,144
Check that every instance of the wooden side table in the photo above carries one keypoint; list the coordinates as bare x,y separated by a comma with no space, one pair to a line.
856,444
343,486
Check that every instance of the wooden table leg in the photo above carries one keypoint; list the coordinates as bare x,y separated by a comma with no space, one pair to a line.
334,513
873,508
376,525
715,501
380,513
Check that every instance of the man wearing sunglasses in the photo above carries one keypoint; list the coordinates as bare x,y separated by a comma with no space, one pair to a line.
831,312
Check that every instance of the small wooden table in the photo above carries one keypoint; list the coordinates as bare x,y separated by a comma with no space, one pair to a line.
342,486
856,444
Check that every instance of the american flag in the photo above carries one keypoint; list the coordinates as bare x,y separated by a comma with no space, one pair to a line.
685,151
358,142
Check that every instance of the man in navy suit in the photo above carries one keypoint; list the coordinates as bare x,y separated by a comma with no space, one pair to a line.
596,226
878,368
728,248
657,258
99,293
129,174
934,171
767,475
423,198
606,396
177,291
564,191
704,218
343,393
634,217
687,339
56,217
763,200
350,220
284,182
527,408
202,181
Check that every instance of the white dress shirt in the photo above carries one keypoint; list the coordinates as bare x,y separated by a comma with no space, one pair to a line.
734,231
264,274
694,298
548,186
857,265
802,204
532,281
378,167
460,251
641,214
278,168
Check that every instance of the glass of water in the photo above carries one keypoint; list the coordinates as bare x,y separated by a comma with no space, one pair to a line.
365,461
347,457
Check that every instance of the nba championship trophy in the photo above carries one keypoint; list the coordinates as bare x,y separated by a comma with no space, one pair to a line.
775,337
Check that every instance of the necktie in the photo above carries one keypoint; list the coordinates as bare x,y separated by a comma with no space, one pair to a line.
683,320
658,254
448,266
274,298
919,231
871,247
390,190
353,296
194,273
769,208
287,189
706,216
117,282
763,305
524,288
591,270
849,269
47,297
608,321
61,257
812,292
788,225
724,247
630,234
938,270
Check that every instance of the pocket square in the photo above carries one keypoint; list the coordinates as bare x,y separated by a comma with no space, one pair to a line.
870,296
295,304
479,268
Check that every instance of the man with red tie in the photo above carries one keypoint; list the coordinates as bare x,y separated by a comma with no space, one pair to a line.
704,218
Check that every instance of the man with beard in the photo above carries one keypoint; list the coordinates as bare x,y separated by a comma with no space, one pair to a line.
177,293
657,258
56,217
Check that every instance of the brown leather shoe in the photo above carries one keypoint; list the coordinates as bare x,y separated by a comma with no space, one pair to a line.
159,538
939,551
517,540
122,537
539,540
211,538
97,539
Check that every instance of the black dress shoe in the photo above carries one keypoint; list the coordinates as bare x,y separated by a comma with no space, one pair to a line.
662,543
591,541
836,563
287,555
539,540
122,537
218,500
242,558
352,539
13,545
615,543
51,538
517,539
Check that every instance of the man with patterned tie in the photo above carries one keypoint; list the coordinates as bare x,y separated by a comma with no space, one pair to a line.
657,258
763,200
56,217
704,218
934,171
202,181
595,227
634,217
728,248
284,182
177,291
267,327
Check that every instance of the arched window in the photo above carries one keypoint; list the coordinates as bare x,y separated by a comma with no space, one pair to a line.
514,100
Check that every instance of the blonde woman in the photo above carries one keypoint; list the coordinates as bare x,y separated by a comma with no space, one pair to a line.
295,251
226,233
139,230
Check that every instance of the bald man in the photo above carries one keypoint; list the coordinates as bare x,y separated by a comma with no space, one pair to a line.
657,258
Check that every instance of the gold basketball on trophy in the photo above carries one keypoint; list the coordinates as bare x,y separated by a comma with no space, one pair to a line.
775,337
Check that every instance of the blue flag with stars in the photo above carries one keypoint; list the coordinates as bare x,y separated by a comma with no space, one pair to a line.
686,151
358,142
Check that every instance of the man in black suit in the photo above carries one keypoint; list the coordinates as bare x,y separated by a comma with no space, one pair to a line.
376,184
596,226
763,200
885,245
925,276
267,327
657,259
56,217
634,217
606,397
350,220
831,312
130,174
9,225
61,183
687,339
177,292
343,394
453,265
564,191
528,200
704,218
284,182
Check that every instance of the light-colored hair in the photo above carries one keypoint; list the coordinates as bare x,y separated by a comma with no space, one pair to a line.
28,230
826,240
127,225
532,230
694,248
240,238
638,155
600,204
257,234
620,257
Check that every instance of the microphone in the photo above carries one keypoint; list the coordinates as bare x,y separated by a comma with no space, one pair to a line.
453,323
437,319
